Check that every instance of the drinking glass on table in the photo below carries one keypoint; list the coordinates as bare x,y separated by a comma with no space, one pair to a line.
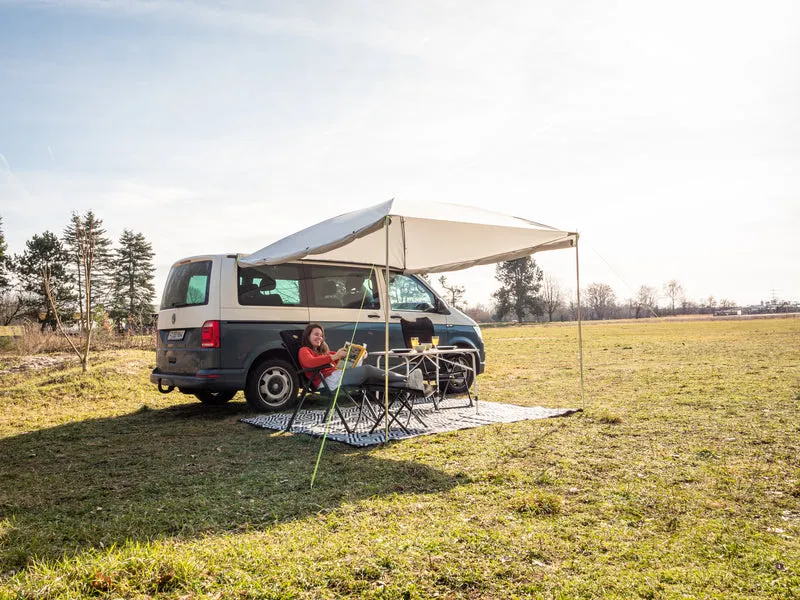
414,342
434,340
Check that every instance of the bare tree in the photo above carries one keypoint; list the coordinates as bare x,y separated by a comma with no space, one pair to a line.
47,275
646,298
552,296
572,304
600,298
12,305
479,312
674,291
85,237
455,293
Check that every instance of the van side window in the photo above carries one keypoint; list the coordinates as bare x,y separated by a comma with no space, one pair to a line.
187,285
273,285
342,287
408,293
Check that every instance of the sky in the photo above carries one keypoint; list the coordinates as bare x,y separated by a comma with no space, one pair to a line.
667,134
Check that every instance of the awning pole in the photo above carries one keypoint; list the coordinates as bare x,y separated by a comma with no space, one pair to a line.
386,338
580,335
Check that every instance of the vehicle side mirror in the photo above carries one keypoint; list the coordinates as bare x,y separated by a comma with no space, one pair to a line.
441,307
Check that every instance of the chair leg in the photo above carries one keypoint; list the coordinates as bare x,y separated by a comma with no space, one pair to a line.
383,415
364,406
410,400
303,396
334,405
405,400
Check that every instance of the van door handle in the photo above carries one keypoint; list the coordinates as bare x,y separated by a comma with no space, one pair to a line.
395,317
373,316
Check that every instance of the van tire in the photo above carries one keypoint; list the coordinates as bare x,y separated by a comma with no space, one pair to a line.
214,398
459,380
271,385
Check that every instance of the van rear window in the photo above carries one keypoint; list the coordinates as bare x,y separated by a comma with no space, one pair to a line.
187,285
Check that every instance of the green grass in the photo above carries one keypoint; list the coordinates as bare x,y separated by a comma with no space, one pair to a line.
681,479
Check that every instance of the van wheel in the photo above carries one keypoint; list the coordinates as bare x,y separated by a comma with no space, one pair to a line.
459,375
271,385
214,398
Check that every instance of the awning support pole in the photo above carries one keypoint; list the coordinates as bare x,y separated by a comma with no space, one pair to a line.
580,334
386,337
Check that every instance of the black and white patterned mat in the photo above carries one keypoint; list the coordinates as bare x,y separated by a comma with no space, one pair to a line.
437,421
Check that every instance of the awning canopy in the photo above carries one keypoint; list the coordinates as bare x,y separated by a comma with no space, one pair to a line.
425,237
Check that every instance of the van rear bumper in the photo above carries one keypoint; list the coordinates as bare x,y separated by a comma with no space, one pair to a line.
206,380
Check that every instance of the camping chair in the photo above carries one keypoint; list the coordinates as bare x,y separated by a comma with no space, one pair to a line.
452,374
403,399
422,329
291,341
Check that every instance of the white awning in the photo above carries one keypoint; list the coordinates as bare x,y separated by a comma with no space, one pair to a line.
425,237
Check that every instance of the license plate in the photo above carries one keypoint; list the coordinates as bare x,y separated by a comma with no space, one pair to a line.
176,334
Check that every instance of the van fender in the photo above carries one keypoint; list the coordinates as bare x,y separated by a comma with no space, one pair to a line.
264,354
461,342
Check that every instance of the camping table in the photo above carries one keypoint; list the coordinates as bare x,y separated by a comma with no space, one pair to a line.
441,358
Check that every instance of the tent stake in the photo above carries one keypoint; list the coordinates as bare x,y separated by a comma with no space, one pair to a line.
580,336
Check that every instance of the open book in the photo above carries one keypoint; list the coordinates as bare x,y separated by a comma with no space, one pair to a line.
355,356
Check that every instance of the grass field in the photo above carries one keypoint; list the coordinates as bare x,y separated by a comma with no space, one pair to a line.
681,479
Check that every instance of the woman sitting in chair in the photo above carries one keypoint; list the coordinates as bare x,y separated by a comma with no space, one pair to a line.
314,353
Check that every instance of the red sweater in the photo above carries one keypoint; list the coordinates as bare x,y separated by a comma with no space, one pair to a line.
309,360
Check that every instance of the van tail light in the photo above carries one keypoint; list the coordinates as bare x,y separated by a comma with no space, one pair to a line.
209,335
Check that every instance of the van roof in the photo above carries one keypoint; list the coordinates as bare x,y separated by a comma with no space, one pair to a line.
196,257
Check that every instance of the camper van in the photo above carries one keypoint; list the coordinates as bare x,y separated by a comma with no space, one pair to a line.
220,323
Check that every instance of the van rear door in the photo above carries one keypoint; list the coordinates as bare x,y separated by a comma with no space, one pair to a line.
190,299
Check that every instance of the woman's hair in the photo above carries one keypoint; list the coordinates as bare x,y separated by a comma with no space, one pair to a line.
304,341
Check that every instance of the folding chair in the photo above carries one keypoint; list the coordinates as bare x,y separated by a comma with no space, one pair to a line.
452,375
422,329
402,399
291,341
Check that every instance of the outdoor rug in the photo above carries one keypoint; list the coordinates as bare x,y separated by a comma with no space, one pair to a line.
447,419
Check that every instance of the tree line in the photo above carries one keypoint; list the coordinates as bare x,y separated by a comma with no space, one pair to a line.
79,279
527,294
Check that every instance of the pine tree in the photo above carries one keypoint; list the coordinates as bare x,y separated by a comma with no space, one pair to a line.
520,282
134,290
4,280
84,234
45,255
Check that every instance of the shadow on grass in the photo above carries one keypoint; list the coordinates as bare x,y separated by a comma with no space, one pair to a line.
177,472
